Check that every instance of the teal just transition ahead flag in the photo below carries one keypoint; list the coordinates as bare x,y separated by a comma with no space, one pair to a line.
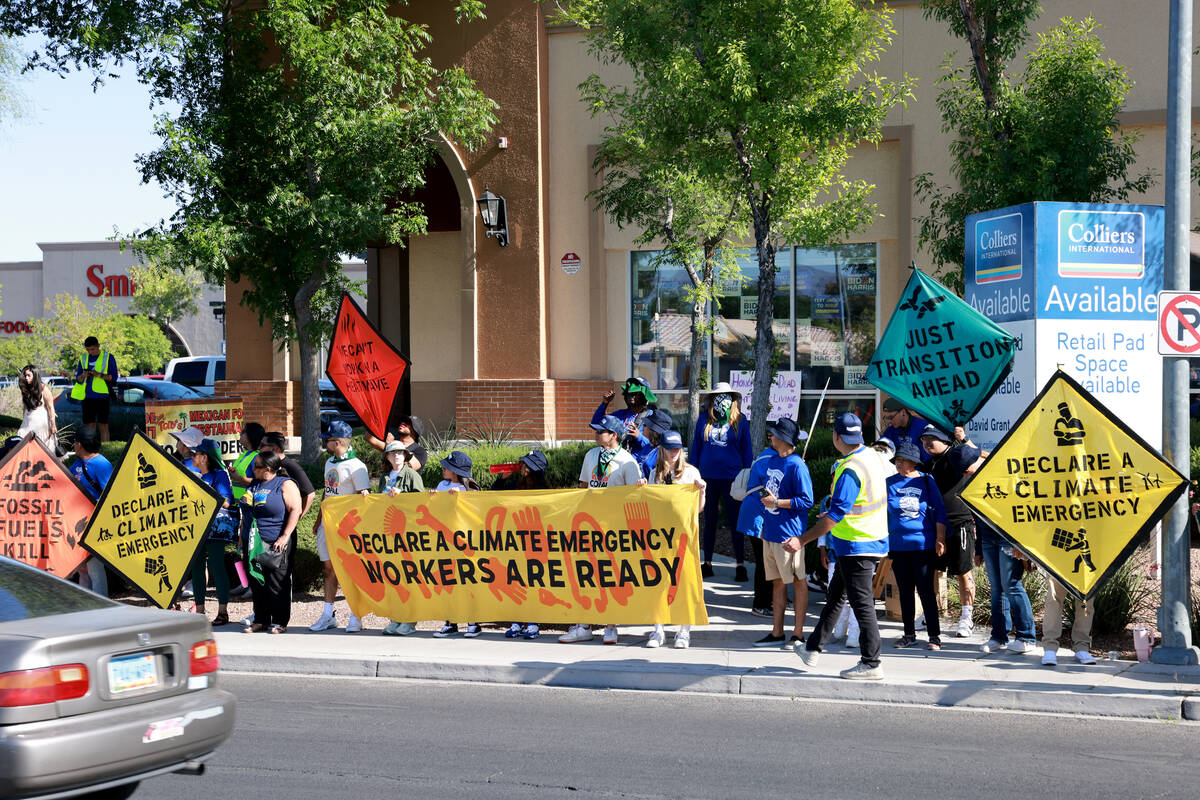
939,356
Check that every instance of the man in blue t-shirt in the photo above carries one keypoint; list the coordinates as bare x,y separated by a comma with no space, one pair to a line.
787,495
93,471
903,424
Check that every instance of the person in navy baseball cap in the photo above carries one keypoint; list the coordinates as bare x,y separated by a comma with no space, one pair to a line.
337,429
609,424
849,427
787,430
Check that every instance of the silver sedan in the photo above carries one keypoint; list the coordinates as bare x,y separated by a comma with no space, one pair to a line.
96,696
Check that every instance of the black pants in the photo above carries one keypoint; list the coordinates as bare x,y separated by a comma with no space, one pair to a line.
851,582
914,569
762,587
273,599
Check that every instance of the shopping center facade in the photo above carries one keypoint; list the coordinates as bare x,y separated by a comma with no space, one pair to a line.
525,338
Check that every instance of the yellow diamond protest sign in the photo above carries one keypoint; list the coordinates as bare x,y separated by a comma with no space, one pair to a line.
1073,487
152,518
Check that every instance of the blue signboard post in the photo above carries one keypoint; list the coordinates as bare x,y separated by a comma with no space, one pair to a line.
1077,285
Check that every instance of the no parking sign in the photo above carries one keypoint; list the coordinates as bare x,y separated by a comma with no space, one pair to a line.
1178,323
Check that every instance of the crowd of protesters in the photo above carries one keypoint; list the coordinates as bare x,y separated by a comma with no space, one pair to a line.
895,498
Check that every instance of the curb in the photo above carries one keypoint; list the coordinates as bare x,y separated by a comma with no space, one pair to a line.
755,681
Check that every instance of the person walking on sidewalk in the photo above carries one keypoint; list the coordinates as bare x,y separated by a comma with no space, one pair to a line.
949,472
671,467
857,524
606,464
344,474
721,449
916,536
749,524
787,496
95,379
1052,625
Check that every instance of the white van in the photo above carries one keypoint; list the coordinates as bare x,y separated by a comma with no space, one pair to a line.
199,372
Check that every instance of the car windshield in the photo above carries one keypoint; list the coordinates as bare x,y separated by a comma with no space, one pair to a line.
168,391
26,593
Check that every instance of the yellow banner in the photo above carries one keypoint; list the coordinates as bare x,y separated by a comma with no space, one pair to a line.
1073,487
218,418
151,520
622,555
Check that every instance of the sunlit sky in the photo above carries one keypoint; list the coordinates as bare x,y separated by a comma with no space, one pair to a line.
67,170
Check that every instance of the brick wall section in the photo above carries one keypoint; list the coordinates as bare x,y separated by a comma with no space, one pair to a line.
528,409
274,404
574,404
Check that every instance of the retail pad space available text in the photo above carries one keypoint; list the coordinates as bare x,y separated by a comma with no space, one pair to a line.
615,555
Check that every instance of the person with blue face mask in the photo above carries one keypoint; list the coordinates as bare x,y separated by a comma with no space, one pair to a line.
720,450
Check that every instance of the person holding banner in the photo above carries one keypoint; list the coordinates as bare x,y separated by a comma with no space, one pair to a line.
958,559
1052,625
903,425
401,479
344,474
721,449
857,523
530,476
671,467
606,464
787,495
93,472
916,536
657,424
206,460
456,477
274,505
38,403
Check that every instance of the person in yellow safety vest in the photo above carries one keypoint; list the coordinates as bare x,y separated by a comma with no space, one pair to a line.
240,473
95,378
857,523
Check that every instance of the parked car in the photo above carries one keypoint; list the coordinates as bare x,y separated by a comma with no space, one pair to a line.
199,372
96,696
335,406
128,406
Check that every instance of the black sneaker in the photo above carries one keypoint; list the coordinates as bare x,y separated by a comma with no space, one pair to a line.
448,630
771,640
740,575
706,570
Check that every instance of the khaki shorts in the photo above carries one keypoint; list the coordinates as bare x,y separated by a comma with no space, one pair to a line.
780,565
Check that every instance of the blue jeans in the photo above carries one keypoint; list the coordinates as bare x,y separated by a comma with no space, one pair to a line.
1008,595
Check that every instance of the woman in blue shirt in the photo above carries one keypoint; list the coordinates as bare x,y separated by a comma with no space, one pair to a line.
206,459
720,450
916,535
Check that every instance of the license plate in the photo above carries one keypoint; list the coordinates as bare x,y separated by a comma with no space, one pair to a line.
127,673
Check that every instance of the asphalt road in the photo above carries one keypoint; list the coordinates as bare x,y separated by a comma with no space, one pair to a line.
331,738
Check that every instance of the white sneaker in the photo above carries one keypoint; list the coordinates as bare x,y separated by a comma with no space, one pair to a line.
657,637
248,621
992,646
327,621
809,657
920,623
186,591
683,640
1049,657
1084,657
862,672
610,634
1019,647
353,625
576,633
965,628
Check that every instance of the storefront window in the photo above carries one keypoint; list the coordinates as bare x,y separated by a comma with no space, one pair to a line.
662,322
835,315
737,313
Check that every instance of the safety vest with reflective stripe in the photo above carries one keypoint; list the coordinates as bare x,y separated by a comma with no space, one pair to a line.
99,384
241,467
866,521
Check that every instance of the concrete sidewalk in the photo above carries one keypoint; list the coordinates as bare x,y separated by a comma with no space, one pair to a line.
723,660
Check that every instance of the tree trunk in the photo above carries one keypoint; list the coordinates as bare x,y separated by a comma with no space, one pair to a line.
764,333
310,372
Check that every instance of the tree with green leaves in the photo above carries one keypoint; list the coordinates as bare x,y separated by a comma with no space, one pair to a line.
165,292
300,122
645,186
55,339
12,101
1051,134
761,101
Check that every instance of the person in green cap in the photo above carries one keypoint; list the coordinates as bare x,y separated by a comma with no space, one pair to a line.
639,405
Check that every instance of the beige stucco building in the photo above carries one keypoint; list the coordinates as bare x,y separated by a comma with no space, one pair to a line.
532,333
